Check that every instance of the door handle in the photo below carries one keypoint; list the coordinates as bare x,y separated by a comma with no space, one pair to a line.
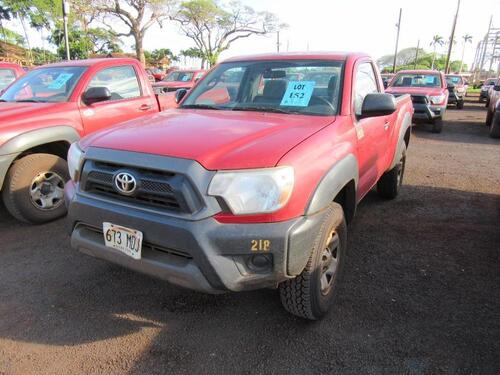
145,107
386,125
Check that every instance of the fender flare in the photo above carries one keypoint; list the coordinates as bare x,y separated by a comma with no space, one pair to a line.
405,125
333,182
11,149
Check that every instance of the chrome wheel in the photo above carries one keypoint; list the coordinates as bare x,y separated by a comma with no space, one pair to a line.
329,262
47,191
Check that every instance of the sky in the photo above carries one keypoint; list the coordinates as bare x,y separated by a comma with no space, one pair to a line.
348,25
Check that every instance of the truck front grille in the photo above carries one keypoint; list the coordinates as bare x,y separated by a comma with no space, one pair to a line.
157,189
419,99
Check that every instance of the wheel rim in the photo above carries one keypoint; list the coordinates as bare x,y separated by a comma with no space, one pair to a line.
47,191
329,262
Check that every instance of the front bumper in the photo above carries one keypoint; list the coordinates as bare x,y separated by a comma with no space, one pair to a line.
203,255
455,97
428,112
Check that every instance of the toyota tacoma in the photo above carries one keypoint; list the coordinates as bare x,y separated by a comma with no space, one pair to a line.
49,108
250,183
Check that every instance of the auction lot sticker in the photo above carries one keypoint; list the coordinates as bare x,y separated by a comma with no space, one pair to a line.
298,93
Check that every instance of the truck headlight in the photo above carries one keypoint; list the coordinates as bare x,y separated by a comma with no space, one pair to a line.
253,191
437,99
75,160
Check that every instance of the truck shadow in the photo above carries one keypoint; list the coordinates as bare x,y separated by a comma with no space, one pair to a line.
423,270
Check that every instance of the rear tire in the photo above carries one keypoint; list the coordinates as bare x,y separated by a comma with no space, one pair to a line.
389,184
33,188
495,126
311,294
437,125
460,104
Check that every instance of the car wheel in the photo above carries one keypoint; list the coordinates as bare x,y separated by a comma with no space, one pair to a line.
460,104
34,188
495,126
389,184
311,294
437,125
489,118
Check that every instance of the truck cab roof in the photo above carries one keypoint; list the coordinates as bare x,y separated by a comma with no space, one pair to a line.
339,56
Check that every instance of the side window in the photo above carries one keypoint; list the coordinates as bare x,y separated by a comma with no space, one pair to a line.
121,81
364,83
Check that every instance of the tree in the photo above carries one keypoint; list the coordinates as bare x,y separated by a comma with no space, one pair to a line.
213,28
137,15
436,40
193,53
12,37
467,39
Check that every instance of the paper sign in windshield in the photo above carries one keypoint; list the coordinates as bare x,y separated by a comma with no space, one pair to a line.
429,80
60,81
298,93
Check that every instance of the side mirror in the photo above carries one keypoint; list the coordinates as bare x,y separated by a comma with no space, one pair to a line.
180,94
96,94
378,104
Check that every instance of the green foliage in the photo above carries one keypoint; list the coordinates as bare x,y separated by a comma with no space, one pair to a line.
11,37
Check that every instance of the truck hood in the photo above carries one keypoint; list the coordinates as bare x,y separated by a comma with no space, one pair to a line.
216,139
431,91
16,117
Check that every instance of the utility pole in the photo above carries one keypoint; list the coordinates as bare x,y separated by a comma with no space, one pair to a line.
278,41
65,9
452,37
398,25
485,46
416,55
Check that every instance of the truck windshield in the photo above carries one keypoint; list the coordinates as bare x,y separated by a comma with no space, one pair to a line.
7,76
454,80
52,84
179,77
308,87
416,80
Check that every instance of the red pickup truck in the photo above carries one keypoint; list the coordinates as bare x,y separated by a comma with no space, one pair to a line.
429,93
49,108
250,183
9,72
179,79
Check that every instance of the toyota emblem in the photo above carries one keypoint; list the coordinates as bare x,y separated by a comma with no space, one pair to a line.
125,183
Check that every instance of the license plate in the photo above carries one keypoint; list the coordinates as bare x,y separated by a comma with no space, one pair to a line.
125,240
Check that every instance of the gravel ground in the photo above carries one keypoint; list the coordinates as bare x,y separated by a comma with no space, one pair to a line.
421,293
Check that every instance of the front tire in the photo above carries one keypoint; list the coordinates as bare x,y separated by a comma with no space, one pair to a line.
489,118
437,125
34,188
389,184
495,126
311,294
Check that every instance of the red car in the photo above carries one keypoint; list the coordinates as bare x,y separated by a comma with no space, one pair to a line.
50,107
457,87
9,72
179,79
250,183
429,94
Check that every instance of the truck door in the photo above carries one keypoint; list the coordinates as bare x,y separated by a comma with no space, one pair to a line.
372,132
128,99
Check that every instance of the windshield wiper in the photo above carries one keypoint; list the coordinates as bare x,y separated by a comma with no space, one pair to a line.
263,109
200,106
30,101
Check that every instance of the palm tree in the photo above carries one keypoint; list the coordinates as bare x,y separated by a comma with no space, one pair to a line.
467,39
436,40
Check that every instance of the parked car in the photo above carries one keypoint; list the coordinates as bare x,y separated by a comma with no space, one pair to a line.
429,94
9,72
50,107
485,88
457,90
157,73
386,78
244,186
179,79
493,115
